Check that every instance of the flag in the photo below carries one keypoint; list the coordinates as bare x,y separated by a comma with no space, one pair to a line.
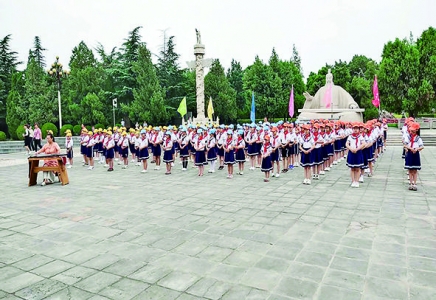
210,110
253,109
328,96
291,103
376,100
182,107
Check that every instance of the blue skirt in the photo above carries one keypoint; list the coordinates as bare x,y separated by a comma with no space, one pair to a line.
240,156
110,153
252,149
184,152
83,150
329,150
89,152
132,148
200,158
337,146
355,160
70,154
143,154
211,154
124,152
266,164
168,156
229,158
306,159
413,161
317,157
157,151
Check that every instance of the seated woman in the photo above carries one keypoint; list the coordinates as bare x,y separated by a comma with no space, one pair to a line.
51,147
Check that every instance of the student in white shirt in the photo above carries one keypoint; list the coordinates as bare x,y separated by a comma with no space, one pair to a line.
413,145
355,143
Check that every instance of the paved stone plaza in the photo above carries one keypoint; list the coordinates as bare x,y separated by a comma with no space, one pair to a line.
124,235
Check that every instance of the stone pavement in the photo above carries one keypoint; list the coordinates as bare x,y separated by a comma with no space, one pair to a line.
126,235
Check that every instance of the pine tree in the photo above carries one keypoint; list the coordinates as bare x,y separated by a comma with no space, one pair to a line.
37,52
169,73
15,108
296,59
234,76
148,102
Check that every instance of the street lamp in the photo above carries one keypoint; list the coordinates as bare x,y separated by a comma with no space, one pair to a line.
57,73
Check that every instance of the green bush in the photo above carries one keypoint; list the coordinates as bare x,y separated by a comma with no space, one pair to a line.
49,126
77,129
97,126
89,127
118,125
65,128
20,131
394,125
2,136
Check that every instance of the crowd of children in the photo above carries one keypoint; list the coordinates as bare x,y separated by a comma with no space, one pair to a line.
317,147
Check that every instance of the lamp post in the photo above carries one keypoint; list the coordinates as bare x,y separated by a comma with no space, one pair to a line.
57,73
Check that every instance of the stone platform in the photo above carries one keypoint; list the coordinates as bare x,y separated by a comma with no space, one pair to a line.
126,235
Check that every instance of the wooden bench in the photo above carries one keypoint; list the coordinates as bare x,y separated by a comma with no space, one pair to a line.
60,169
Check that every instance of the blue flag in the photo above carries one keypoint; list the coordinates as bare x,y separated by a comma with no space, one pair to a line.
253,109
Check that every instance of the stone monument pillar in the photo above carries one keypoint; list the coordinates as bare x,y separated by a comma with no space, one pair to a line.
199,64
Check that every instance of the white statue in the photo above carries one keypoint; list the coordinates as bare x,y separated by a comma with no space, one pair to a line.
198,36
340,98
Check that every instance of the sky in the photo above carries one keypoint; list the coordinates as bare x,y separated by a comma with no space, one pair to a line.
324,31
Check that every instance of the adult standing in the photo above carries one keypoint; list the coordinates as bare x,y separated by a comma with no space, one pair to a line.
31,138
27,140
37,136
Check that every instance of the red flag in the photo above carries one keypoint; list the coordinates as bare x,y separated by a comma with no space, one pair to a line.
291,103
376,100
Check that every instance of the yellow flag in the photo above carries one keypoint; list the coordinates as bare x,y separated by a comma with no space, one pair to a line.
182,107
210,109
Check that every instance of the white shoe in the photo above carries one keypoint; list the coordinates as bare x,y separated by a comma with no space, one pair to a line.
144,171
277,175
116,159
158,168
357,184
106,165
183,169
327,169
321,173
361,178
305,181
273,175
69,166
172,164
119,163
345,156
366,171
90,168
335,162
43,183
132,161
308,182
353,184
241,173
210,171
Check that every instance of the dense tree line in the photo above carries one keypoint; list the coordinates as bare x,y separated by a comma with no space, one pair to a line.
152,92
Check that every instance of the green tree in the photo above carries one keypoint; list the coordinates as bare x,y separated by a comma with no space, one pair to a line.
189,89
169,74
400,86
266,85
296,59
426,44
235,76
317,80
8,66
217,86
15,106
42,107
37,52
148,102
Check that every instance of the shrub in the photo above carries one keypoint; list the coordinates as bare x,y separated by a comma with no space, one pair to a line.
97,126
2,136
77,129
49,126
20,131
394,125
88,127
65,128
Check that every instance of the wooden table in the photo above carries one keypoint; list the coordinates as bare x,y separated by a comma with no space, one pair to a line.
34,167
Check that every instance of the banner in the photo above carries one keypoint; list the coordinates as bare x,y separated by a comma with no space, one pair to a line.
182,107
253,109
291,103
376,100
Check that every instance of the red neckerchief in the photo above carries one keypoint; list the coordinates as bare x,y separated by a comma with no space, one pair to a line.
265,147
200,138
154,138
306,137
315,136
239,140
322,133
412,139
167,141
275,138
229,141
356,136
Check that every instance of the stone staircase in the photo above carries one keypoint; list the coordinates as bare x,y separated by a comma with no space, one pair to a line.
18,146
427,135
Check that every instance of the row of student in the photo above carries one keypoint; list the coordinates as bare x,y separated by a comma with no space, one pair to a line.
269,143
